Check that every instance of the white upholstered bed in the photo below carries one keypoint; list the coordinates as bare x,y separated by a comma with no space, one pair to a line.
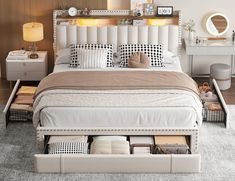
118,112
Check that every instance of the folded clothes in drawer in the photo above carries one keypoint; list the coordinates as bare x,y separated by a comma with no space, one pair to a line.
171,145
141,144
110,147
21,107
141,149
24,90
109,138
67,139
68,145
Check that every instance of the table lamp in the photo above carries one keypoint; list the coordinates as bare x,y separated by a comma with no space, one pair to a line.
33,32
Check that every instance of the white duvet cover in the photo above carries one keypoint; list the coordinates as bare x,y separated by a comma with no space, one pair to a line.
142,108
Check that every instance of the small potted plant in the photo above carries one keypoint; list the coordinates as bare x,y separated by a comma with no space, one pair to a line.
190,27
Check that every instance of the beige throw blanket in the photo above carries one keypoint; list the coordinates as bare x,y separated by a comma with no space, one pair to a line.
117,80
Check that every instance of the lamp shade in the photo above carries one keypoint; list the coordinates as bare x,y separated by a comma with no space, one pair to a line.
33,32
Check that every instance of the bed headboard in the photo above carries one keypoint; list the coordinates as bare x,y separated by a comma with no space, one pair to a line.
97,29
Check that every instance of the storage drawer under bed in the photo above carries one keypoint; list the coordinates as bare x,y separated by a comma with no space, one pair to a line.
6,111
217,116
117,163
158,163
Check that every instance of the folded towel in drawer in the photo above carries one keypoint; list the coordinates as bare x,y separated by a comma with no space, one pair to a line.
24,99
22,107
215,107
141,140
171,145
26,90
67,139
141,150
171,149
170,140
141,144
110,147
68,148
109,138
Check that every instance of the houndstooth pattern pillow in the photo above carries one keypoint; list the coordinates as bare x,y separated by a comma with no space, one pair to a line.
154,52
68,148
74,52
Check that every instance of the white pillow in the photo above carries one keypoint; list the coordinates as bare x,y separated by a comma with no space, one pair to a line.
169,57
92,59
63,56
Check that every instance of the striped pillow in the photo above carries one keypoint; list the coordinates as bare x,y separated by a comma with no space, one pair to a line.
92,59
74,56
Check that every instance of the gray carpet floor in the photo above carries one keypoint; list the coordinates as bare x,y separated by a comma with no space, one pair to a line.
217,148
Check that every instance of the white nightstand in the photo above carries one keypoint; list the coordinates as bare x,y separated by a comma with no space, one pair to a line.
28,69
210,48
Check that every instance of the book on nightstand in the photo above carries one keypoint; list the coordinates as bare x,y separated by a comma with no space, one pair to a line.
17,55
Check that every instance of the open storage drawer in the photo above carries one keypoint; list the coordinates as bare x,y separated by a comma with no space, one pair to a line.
217,116
117,163
152,163
6,111
26,115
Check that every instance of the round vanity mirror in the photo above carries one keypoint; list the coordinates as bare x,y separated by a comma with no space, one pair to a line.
217,24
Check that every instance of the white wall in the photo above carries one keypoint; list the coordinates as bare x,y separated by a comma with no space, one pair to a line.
196,10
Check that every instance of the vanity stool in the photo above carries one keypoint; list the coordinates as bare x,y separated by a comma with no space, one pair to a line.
222,74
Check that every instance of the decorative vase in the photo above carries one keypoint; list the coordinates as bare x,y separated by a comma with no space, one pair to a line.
191,36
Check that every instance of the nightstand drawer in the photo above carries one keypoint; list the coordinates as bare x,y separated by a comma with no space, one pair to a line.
25,66
25,76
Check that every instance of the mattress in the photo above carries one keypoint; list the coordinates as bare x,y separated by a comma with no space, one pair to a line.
145,108
121,117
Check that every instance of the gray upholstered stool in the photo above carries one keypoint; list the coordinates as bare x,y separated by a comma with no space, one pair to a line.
222,74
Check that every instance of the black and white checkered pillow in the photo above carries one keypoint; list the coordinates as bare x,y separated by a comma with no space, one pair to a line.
154,52
74,53
68,148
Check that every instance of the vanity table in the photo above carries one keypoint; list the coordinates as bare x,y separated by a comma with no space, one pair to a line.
210,48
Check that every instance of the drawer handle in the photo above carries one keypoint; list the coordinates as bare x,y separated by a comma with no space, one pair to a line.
25,73
24,64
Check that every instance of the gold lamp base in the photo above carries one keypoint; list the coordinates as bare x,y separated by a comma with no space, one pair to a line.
33,56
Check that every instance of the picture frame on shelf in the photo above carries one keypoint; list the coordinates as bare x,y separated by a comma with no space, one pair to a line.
165,10
138,4
150,9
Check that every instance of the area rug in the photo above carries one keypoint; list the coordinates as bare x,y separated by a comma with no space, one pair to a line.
217,148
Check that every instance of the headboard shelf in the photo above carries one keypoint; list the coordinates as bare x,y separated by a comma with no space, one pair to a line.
118,17
63,14
108,29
